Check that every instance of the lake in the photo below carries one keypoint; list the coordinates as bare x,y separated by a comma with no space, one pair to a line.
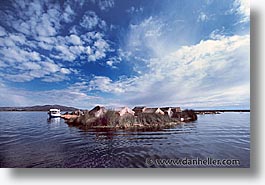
29,139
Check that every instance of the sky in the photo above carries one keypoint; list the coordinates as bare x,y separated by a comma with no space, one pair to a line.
82,53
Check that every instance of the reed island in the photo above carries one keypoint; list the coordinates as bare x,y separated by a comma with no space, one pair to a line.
138,118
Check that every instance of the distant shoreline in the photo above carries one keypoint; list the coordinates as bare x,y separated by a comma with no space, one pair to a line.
199,111
31,111
39,108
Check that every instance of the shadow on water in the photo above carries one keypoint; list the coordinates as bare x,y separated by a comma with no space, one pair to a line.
161,174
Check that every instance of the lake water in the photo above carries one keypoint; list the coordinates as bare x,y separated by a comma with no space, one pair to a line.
28,139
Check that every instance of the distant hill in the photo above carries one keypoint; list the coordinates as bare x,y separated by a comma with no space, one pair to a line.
38,108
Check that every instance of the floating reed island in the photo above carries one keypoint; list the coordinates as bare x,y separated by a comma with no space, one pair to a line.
139,118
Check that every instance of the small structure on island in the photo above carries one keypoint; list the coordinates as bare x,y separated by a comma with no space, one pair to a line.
177,112
138,110
124,111
167,111
154,111
98,111
176,109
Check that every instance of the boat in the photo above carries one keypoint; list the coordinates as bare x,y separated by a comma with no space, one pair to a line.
54,113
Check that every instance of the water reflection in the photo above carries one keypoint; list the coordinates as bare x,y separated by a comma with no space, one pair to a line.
54,122
104,135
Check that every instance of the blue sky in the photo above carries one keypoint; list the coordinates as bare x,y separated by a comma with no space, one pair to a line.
193,54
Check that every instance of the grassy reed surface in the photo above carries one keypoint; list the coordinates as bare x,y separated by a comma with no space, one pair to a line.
144,121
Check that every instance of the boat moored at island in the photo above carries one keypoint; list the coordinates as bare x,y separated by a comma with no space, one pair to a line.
54,113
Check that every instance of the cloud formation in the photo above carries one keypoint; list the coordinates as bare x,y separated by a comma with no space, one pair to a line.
242,7
189,76
70,96
106,4
38,47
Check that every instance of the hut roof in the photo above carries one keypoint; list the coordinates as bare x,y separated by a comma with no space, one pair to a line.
138,108
150,110
165,108
125,110
97,111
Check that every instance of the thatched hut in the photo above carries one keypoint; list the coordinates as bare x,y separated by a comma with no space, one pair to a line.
168,111
176,112
125,111
138,110
154,111
98,111
176,109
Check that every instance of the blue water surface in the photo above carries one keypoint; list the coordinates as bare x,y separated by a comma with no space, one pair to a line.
29,139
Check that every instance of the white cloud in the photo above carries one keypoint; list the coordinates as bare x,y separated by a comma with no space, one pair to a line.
55,77
33,20
51,67
65,71
22,64
99,49
17,55
91,44
25,65
189,77
40,24
68,14
88,50
47,71
18,38
105,4
217,34
146,36
14,98
75,40
110,63
2,31
105,84
175,74
64,53
45,27
242,7
113,61
31,66
69,97
151,27
202,17
90,20
135,10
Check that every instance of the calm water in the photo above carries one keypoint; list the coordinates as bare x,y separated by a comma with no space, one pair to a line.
27,139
